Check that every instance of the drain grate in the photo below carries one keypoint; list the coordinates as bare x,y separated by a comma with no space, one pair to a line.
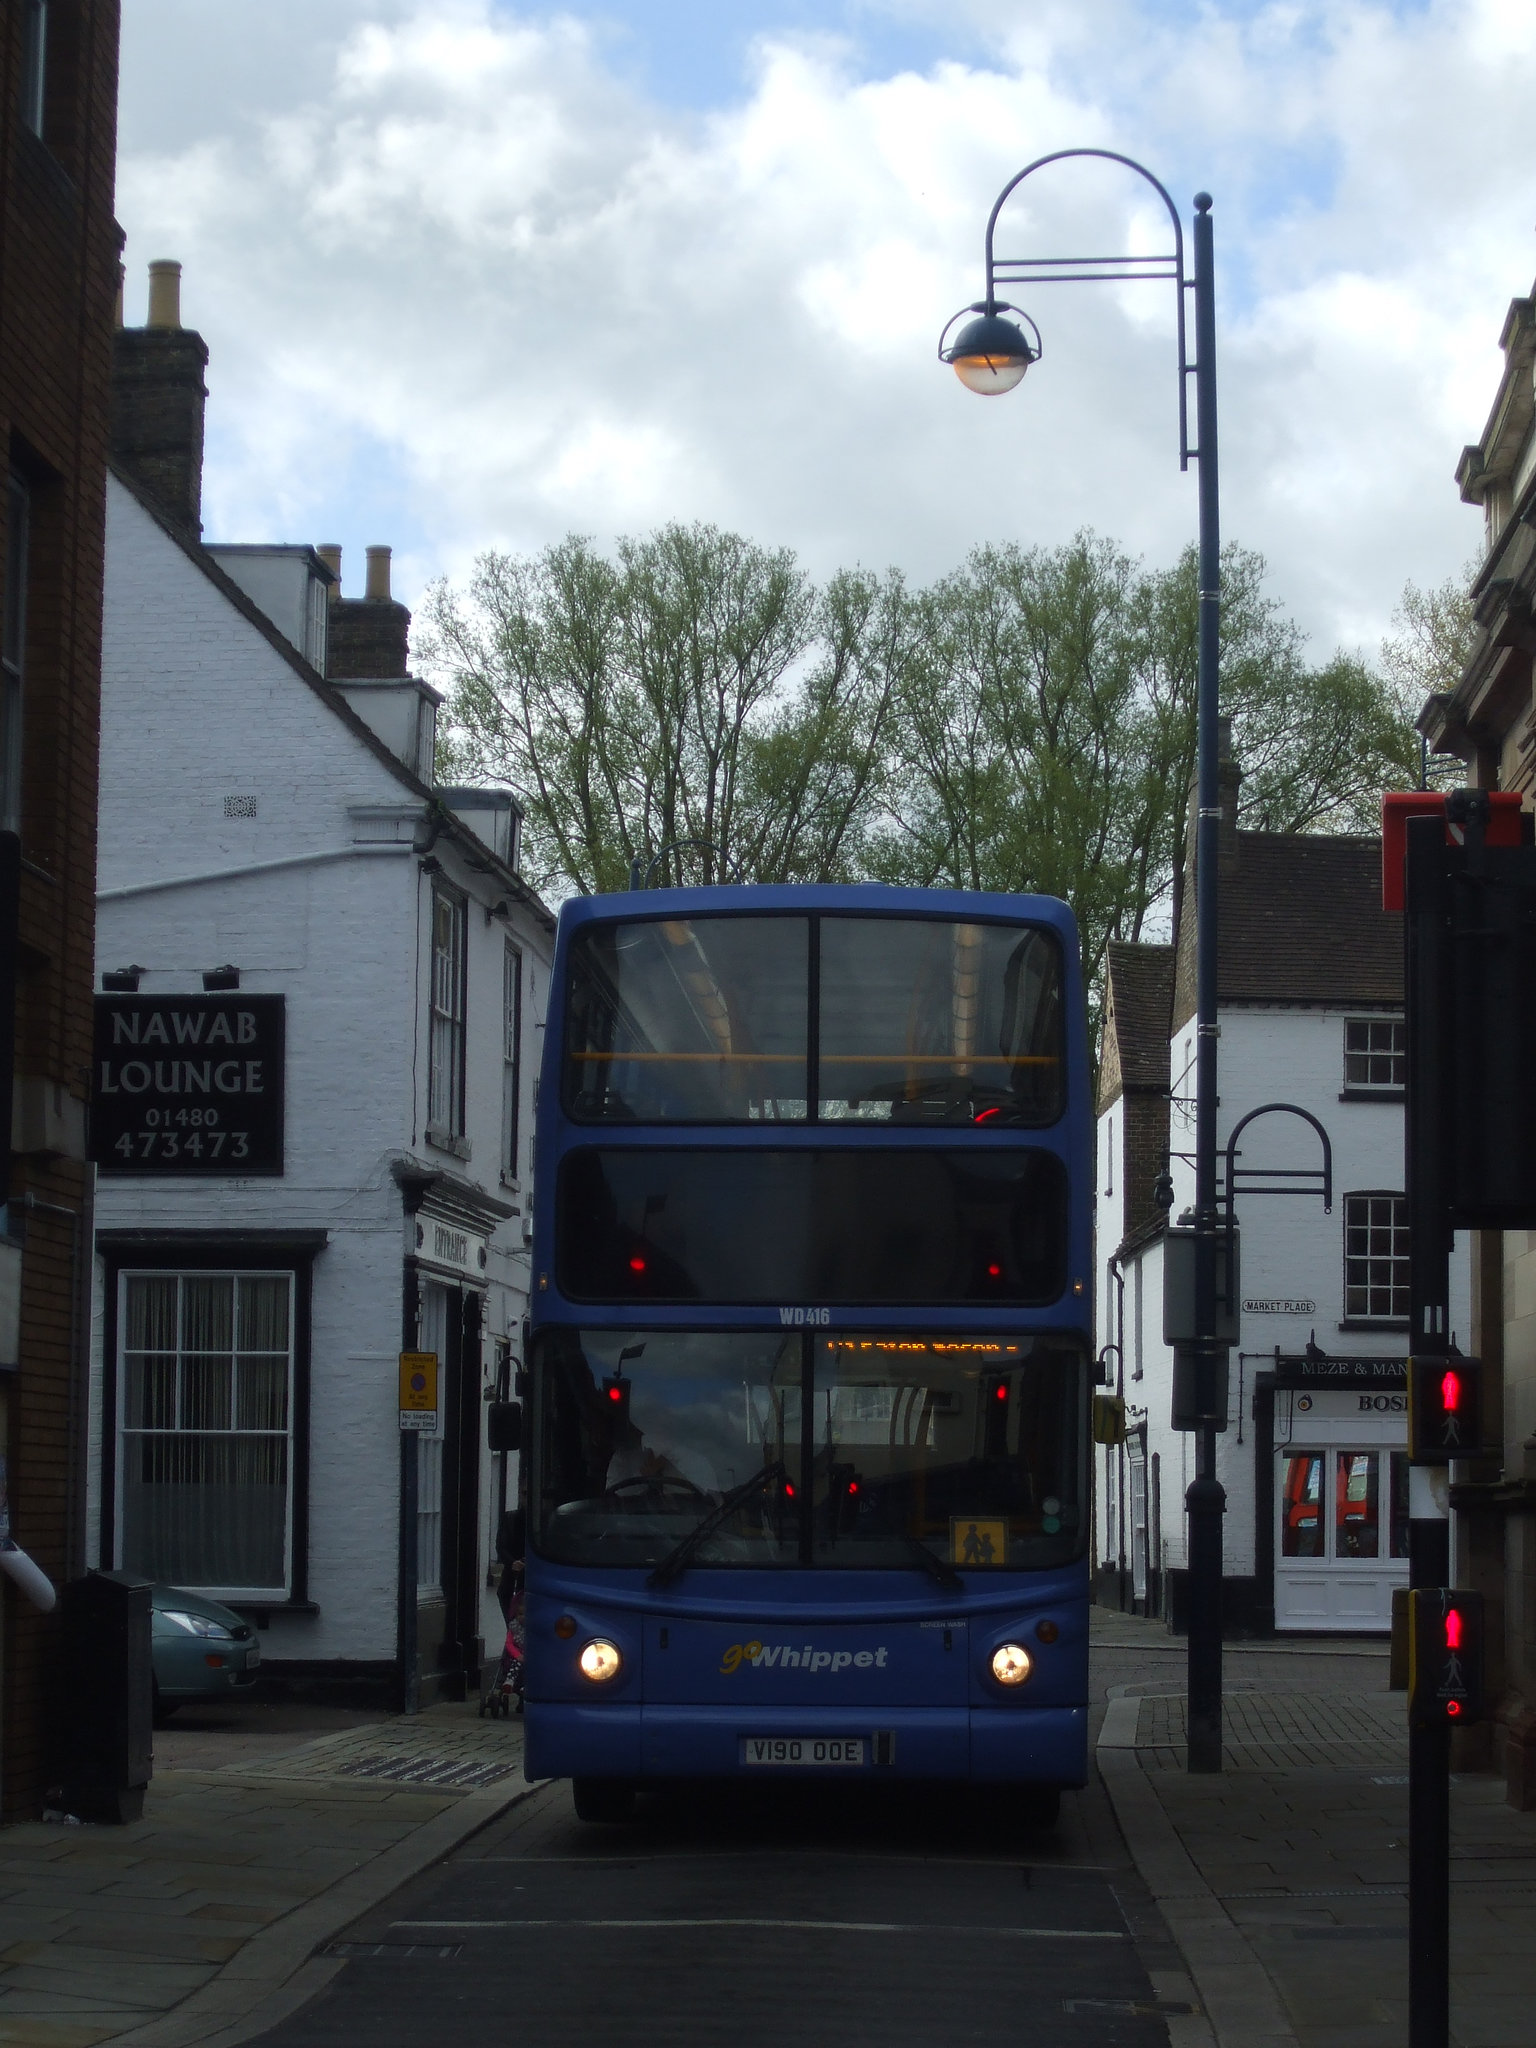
397,1951
429,1770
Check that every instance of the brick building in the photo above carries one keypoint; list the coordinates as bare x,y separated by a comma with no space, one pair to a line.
58,277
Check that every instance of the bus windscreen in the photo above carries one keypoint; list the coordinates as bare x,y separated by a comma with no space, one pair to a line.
833,1019
876,1223
865,1448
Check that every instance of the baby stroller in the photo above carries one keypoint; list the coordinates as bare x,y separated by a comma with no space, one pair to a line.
504,1694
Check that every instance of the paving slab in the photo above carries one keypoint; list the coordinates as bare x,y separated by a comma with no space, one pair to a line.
1284,1878
197,1925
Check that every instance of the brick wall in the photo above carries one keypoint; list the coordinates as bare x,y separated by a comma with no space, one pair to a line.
366,637
58,277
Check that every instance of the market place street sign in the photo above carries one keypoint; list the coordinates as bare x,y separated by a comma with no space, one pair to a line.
188,1085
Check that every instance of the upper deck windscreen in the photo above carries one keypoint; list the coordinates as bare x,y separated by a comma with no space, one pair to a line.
917,1021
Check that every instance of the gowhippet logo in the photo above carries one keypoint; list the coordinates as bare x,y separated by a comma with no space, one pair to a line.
792,1657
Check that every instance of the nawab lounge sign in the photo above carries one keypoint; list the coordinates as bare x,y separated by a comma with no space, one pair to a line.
188,1085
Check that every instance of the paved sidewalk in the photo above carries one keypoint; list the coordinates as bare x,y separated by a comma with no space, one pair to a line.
1284,1880
197,1926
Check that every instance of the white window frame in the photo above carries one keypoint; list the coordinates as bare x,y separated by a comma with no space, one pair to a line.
1394,1052
1396,1286
447,1008
124,1431
511,1060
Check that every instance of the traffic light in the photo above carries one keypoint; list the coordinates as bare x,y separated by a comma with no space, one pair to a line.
996,1400
843,1488
1445,1409
616,1399
1445,1658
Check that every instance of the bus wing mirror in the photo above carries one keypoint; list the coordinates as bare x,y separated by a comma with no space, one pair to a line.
1109,1418
504,1425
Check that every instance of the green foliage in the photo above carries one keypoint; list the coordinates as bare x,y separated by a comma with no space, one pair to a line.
696,690
1025,724
1426,656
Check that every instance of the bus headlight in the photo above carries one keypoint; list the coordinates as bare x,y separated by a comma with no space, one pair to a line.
600,1661
1011,1664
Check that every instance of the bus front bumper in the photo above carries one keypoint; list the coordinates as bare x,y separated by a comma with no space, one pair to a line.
1010,1745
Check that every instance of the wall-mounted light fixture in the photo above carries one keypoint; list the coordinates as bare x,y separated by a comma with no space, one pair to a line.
216,979
122,981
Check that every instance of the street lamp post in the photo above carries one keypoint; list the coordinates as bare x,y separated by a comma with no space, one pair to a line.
990,355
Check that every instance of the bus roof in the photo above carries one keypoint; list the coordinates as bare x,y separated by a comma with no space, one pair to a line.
862,899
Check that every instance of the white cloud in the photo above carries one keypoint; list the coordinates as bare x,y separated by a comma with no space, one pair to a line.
463,286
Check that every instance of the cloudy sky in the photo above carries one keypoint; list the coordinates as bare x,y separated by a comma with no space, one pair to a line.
474,273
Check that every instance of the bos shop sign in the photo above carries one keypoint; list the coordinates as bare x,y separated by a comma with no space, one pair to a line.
188,1084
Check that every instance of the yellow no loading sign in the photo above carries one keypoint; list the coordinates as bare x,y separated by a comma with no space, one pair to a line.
418,1390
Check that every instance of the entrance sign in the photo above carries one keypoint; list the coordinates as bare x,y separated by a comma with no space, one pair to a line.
188,1085
418,1390
1388,1374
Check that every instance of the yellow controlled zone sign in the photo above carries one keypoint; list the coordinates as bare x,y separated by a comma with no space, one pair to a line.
418,1390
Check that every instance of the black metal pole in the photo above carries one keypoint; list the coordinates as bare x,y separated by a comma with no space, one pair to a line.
1205,1501
1427,989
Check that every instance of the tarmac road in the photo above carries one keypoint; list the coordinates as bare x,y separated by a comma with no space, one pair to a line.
760,1917
793,1913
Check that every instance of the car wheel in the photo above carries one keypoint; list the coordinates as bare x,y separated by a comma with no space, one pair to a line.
603,1800
161,1710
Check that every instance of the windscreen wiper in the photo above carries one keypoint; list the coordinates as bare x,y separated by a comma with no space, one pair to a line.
678,1556
935,1567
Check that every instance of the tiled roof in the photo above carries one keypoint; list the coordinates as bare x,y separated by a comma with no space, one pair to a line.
1141,981
1139,1015
1300,922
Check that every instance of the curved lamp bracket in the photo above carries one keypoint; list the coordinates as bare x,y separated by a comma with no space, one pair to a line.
1104,269
1313,1179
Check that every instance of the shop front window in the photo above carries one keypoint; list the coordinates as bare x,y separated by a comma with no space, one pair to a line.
1301,1529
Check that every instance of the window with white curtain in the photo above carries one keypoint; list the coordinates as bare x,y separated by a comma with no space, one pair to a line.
205,1430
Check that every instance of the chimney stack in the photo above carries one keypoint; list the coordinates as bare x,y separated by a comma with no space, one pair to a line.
329,552
158,398
164,295
368,637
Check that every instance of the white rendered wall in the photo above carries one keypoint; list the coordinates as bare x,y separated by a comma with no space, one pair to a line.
1292,1249
197,705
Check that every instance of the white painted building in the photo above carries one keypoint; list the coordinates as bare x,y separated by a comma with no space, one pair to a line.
1312,1460
312,1110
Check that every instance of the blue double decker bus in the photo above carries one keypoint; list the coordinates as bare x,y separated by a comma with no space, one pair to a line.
808,1379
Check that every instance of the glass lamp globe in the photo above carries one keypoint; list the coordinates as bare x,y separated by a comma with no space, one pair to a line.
990,355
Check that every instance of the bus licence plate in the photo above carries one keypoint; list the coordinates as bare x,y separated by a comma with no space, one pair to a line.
842,1750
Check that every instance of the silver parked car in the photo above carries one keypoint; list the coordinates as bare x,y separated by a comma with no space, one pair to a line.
200,1649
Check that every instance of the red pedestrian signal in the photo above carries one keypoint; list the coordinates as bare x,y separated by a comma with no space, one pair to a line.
1445,1409
1445,1658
